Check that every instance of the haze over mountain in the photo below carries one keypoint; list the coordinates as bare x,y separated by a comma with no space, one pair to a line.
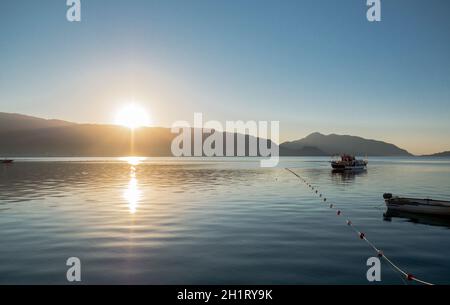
29,136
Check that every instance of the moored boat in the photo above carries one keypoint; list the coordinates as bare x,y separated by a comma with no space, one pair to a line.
7,161
348,163
415,205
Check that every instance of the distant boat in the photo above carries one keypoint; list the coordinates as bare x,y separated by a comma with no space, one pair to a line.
414,205
348,163
7,161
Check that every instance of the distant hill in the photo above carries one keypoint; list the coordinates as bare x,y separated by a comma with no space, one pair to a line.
22,135
303,151
85,140
445,154
339,144
14,121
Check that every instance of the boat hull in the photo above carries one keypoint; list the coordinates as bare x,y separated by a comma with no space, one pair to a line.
419,206
340,167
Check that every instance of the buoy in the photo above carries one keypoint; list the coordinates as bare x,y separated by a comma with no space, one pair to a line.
362,236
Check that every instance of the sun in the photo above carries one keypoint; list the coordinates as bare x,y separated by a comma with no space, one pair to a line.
132,116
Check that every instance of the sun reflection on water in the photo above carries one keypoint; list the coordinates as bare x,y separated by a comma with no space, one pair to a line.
132,194
132,160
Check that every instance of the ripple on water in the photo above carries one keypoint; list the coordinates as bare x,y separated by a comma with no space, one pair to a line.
214,222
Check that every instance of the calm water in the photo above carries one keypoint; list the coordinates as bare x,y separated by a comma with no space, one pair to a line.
214,222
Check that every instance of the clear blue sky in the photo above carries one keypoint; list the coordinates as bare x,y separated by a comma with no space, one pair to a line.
314,65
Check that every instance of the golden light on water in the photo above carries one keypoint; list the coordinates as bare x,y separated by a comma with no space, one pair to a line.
132,193
132,116
132,160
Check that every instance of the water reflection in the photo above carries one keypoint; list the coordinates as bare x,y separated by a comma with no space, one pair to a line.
430,220
132,194
346,177
211,217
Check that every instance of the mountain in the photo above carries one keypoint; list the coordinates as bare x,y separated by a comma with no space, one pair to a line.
303,151
444,154
24,136
85,140
14,121
339,144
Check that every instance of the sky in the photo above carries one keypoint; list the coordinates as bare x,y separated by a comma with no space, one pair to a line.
313,65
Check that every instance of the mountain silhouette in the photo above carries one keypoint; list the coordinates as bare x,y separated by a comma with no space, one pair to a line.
25,136
444,154
22,135
339,144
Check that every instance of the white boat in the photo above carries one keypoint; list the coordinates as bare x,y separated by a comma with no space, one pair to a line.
414,205
348,163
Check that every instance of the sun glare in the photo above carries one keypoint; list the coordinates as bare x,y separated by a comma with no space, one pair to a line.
132,160
132,116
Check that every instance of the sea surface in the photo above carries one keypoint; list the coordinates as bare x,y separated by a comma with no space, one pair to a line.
216,221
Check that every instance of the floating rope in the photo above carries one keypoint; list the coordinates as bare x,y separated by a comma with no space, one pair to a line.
362,235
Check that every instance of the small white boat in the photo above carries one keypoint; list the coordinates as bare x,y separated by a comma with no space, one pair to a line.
348,163
414,205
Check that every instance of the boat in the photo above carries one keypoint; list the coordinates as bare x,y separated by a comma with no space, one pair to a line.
7,161
348,163
415,205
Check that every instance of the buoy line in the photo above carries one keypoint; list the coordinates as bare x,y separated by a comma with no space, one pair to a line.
361,235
